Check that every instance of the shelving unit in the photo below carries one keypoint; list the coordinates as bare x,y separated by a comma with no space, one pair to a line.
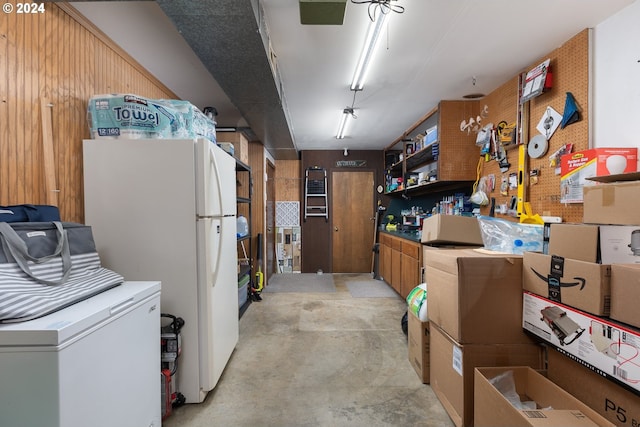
244,191
447,163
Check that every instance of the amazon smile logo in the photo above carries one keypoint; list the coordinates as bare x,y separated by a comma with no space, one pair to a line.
556,282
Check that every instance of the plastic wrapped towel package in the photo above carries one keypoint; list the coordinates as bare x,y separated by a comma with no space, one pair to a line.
135,117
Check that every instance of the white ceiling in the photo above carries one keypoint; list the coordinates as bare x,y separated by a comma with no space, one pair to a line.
432,51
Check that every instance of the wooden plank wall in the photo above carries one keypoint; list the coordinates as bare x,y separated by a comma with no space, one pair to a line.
570,67
59,56
288,181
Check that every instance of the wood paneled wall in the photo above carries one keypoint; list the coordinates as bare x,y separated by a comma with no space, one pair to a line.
288,181
57,56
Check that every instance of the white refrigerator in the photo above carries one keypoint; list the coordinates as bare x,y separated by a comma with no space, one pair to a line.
166,210
95,363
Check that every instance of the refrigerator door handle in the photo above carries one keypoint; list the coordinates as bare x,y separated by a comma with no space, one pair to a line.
218,250
216,170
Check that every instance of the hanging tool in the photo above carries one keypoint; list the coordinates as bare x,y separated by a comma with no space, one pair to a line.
528,217
48,154
523,126
259,282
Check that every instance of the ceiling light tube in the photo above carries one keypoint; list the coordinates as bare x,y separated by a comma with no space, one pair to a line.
370,42
342,127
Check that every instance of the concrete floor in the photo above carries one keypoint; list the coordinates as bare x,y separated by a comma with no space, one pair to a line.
318,359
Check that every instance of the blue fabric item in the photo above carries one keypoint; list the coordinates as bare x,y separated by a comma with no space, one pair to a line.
29,213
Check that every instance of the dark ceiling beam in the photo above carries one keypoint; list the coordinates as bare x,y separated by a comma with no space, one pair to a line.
224,34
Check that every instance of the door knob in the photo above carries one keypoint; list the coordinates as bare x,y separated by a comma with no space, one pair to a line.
335,228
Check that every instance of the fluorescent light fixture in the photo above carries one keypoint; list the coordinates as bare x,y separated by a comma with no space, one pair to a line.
370,42
342,127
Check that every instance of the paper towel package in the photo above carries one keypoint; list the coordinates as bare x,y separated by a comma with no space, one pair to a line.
135,117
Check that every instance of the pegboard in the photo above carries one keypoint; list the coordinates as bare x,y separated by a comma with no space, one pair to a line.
569,65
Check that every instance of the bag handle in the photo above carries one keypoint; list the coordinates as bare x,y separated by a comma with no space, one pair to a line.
18,249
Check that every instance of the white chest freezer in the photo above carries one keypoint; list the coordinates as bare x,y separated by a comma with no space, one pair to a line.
95,363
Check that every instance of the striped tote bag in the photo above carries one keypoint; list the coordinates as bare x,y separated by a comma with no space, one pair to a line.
46,266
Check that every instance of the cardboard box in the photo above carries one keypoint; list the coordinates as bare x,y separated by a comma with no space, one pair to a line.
605,244
470,292
418,343
555,407
609,348
625,293
612,203
452,366
451,229
575,168
427,249
575,241
613,402
240,144
615,244
584,285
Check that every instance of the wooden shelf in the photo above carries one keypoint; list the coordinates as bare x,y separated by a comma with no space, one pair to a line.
455,164
432,187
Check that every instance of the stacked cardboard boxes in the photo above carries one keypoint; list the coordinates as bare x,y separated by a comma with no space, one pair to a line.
439,232
582,299
474,300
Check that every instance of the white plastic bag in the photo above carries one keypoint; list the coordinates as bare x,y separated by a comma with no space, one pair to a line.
510,237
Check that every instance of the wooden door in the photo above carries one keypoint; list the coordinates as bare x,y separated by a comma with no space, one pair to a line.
352,221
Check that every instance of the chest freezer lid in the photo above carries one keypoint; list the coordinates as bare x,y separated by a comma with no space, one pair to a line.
60,326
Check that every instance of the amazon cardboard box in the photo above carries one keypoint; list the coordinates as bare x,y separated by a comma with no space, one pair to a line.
607,347
613,203
615,403
451,229
550,405
583,285
625,294
472,291
452,366
418,344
